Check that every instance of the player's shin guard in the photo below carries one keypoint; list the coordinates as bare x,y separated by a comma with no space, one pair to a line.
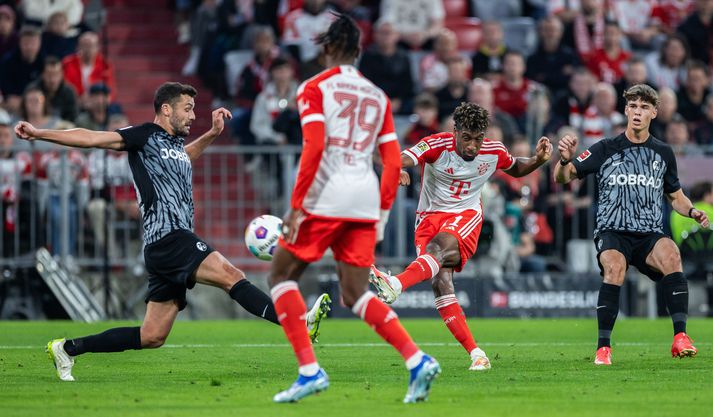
607,310
423,268
675,291
113,340
386,323
454,318
252,299
291,311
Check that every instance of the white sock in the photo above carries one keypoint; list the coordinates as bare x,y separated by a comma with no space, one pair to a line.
309,370
414,360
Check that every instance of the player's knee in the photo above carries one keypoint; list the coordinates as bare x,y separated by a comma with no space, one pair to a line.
233,275
671,262
153,340
614,273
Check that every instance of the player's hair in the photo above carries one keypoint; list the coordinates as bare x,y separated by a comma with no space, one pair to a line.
642,92
171,92
470,117
342,37
699,190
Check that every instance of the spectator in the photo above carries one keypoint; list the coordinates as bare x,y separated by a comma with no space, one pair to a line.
667,67
35,109
15,201
279,95
235,18
487,10
698,31
96,115
57,39
203,29
669,14
634,73
61,97
607,120
636,20
389,67
575,108
302,25
88,66
668,106
553,62
433,67
703,134
564,10
585,33
702,198
607,63
487,62
38,12
512,91
418,22
694,93
456,90
480,92
426,119
678,137
20,67
8,35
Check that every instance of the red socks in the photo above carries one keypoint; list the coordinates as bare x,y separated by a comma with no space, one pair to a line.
386,323
423,268
291,312
453,317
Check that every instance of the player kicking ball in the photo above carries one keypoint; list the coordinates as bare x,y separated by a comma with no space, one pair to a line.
634,171
449,216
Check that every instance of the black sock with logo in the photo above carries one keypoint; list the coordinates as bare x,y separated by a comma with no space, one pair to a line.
607,310
254,300
113,340
675,292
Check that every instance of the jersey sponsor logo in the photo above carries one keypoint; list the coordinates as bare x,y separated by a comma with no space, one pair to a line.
174,154
584,155
201,246
420,148
459,187
633,179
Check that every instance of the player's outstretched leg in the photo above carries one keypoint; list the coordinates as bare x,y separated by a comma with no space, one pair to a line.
315,315
389,287
423,368
454,319
675,289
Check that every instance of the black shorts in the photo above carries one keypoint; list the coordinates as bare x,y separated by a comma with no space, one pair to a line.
171,262
634,246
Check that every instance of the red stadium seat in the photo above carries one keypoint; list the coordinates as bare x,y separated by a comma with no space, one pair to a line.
468,31
455,8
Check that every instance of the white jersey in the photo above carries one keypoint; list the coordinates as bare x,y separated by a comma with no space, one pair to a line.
450,184
356,117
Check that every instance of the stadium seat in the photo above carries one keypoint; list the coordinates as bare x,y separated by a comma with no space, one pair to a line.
468,31
520,34
456,8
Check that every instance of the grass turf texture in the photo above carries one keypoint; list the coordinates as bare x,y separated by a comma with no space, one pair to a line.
232,368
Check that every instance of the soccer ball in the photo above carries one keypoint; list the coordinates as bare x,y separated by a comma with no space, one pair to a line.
261,236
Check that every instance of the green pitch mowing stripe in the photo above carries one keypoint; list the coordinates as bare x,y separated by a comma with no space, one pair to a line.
232,368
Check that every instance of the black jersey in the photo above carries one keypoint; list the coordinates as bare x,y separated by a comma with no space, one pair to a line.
163,179
632,179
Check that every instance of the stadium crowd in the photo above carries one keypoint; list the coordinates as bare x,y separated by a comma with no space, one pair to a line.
540,67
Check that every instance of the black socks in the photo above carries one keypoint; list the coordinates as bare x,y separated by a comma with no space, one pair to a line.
112,340
252,299
675,292
607,310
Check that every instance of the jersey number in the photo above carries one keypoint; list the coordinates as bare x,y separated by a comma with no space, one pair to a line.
350,103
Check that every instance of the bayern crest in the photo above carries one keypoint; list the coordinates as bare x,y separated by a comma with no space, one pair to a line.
483,168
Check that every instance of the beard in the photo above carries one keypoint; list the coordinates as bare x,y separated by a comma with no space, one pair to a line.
179,128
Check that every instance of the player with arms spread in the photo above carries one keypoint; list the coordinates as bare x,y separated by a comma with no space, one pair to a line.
634,171
455,166
176,259
336,203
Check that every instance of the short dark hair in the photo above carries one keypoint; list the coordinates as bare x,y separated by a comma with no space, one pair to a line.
51,61
643,92
342,37
470,117
699,190
171,92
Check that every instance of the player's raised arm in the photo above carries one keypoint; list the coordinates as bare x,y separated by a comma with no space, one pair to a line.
196,148
524,166
76,138
565,171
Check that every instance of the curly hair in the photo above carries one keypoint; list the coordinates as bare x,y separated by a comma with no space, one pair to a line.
644,92
342,37
470,117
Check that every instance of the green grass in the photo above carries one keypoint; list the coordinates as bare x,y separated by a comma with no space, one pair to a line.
540,368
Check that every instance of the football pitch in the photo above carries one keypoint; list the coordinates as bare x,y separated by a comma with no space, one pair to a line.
541,367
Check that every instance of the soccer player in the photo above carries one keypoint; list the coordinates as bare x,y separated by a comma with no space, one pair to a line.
634,171
176,259
455,166
337,202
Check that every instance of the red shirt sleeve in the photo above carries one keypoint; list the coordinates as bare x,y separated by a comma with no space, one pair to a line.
505,160
390,152
309,102
430,148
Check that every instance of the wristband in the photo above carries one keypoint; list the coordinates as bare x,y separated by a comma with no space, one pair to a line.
564,162
691,211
